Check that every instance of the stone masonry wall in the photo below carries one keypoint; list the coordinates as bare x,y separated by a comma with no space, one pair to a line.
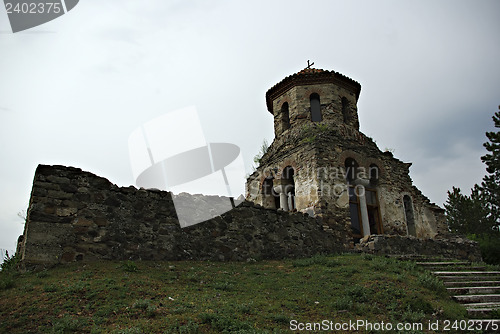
453,247
77,216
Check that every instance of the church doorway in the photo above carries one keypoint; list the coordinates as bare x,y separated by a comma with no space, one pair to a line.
410,218
289,187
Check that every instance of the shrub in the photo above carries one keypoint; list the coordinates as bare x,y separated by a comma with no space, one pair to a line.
6,282
130,267
412,316
418,304
224,286
432,283
141,304
225,324
67,324
489,246
316,259
189,328
358,293
131,330
343,303
280,318
9,262
50,288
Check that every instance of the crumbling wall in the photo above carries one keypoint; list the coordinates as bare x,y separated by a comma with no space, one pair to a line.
453,247
77,216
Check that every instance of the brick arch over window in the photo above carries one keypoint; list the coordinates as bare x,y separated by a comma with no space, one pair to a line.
288,173
370,163
350,154
288,163
363,162
351,169
279,103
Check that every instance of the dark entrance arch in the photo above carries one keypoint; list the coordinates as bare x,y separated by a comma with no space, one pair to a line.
410,218
287,179
270,199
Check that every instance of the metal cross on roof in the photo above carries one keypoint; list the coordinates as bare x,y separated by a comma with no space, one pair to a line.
309,65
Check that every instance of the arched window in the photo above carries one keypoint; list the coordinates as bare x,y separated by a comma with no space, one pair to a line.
315,108
374,174
351,169
285,116
345,110
410,218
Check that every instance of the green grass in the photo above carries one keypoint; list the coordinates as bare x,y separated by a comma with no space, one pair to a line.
208,297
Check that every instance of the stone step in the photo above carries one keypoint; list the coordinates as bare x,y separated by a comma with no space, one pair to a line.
451,273
443,263
474,290
457,268
480,311
450,263
494,306
465,284
491,298
467,278
418,258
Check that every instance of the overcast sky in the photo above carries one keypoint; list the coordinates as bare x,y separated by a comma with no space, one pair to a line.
74,89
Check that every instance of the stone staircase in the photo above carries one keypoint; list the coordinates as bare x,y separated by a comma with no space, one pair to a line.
472,285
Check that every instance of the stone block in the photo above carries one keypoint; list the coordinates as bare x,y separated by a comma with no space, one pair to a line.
59,194
101,222
57,179
82,222
64,212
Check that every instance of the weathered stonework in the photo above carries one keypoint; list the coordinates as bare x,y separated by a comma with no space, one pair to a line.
453,247
316,151
78,216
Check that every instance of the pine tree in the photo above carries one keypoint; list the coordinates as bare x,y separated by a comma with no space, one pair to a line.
467,214
491,182
479,213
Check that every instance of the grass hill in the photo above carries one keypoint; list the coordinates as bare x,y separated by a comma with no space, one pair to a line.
209,297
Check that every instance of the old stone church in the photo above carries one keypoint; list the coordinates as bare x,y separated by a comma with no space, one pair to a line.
321,187
321,164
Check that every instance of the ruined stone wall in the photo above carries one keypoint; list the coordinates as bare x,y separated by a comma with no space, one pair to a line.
75,215
453,247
